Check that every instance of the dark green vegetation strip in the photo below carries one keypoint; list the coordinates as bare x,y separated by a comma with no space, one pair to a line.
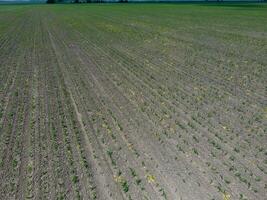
133,101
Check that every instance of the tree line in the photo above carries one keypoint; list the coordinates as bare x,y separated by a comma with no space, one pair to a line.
83,1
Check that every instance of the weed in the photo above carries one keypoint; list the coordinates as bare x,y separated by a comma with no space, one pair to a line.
195,151
133,172
75,179
125,186
138,181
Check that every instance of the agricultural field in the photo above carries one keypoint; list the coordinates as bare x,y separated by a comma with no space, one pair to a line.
133,101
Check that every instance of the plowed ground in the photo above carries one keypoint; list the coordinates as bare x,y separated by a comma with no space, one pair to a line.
133,101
